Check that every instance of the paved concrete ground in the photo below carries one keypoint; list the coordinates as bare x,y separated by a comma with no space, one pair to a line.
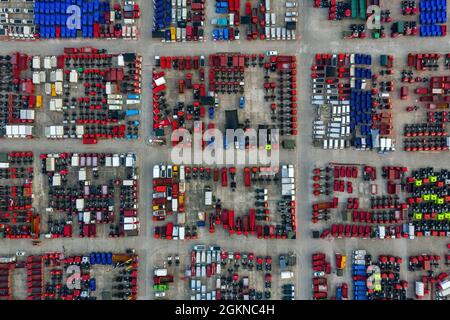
316,35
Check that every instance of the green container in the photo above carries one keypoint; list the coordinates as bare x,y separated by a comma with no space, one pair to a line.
4,157
160,287
354,9
288,144
159,132
345,215
399,26
362,9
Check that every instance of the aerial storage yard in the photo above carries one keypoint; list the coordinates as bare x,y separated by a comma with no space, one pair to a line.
101,100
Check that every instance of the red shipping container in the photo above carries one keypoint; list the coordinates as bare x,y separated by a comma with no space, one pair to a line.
231,221
189,33
237,19
237,5
96,30
169,231
252,221
235,60
231,5
248,8
224,217
197,6
119,74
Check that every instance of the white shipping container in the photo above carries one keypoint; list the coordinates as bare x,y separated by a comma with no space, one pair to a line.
181,233
291,171
79,131
208,198
120,61
445,284
382,231
59,88
56,182
86,217
160,81
4,165
182,174
175,205
156,171
27,114
75,160
175,233
115,161
59,75
73,78
36,78
130,227
128,183
130,220
43,76
56,104
437,91
336,144
132,102
48,88
287,275
444,293
181,218
114,101
129,160
36,62
53,62
80,204
47,63
82,174
160,272
334,135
